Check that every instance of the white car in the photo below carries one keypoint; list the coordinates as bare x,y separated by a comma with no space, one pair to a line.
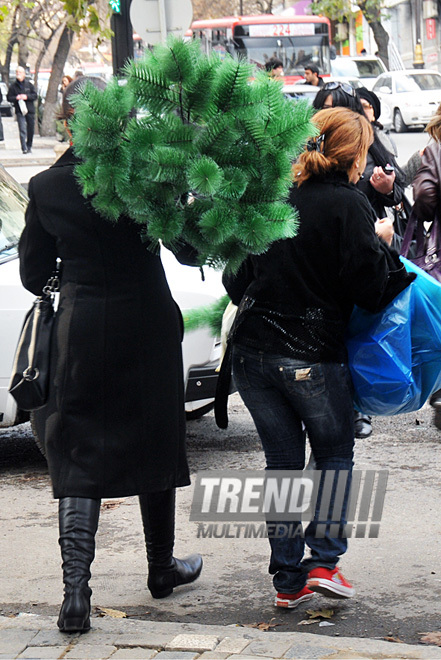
364,67
413,96
201,351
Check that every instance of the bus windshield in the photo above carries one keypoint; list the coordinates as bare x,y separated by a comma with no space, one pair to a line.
295,52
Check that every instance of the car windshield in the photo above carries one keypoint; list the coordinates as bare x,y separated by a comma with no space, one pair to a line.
356,68
369,68
418,82
13,201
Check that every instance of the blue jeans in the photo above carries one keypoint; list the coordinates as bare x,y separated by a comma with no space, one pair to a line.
282,393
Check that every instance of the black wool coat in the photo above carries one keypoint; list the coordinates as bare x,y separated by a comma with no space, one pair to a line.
114,424
22,87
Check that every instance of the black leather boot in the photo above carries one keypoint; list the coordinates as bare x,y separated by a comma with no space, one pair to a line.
165,572
78,522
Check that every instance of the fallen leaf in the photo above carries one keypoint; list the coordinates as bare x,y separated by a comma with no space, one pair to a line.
107,611
389,638
326,614
262,625
431,638
111,504
307,622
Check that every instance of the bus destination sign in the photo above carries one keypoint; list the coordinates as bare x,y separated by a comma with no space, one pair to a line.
282,30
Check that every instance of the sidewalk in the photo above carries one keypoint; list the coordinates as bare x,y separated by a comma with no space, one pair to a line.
42,149
33,636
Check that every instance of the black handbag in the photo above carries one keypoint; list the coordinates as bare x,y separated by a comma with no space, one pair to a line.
29,383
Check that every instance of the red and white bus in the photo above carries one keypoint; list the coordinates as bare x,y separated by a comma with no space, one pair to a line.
296,40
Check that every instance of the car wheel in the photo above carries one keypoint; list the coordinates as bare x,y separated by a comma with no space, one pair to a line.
38,440
399,125
200,412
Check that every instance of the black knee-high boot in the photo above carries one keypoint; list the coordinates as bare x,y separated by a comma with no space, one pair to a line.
78,522
165,571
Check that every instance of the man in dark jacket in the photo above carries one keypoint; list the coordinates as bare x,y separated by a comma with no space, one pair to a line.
312,76
23,95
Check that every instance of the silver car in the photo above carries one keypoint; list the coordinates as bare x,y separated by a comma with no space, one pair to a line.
413,96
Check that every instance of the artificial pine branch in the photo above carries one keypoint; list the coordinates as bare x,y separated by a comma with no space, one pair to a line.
208,162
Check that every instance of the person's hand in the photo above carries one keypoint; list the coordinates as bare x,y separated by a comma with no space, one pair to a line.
382,182
384,228
20,97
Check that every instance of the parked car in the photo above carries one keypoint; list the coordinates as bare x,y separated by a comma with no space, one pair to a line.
300,90
201,351
364,67
6,108
412,96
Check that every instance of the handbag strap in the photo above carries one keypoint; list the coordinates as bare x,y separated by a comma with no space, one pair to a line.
414,225
53,284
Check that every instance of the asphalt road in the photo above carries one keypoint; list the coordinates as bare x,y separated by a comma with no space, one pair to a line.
397,576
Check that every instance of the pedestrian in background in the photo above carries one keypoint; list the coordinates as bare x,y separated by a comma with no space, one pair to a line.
382,187
312,76
289,355
114,424
427,204
23,95
274,67
2,135
65,81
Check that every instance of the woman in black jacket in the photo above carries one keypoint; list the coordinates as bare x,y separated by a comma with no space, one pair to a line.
289,355
114,424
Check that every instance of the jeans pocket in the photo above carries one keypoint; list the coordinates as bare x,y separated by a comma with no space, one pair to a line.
308,380
239,372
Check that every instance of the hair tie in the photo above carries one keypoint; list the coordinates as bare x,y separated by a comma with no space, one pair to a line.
315,145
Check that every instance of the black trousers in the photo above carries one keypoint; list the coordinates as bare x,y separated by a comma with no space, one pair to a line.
26,130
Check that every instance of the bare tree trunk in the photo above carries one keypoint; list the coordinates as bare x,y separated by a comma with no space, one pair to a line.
22,35
380,35
50,104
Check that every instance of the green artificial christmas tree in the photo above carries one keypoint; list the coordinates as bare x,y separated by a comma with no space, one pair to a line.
207,158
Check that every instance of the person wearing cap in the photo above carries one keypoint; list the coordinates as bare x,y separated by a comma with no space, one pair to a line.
312,76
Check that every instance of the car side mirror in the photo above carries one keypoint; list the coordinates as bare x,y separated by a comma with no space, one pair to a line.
385,90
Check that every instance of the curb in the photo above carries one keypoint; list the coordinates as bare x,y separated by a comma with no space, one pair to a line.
35,636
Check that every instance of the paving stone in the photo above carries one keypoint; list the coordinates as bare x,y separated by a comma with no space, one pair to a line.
176,655
148,639
306,651
90,652
53,638
14,641
42,652
268,648
252,657
199,643
136,653
232,645
214,655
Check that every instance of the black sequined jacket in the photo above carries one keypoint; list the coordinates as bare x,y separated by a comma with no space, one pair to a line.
297,298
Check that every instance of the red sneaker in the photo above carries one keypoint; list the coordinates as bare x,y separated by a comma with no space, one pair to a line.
292,600
330,583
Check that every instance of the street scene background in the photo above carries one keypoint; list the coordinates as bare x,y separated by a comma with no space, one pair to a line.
397,576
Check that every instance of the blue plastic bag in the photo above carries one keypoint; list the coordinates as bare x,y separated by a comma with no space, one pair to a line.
395,355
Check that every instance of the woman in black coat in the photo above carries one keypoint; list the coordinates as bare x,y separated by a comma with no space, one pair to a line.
114,424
